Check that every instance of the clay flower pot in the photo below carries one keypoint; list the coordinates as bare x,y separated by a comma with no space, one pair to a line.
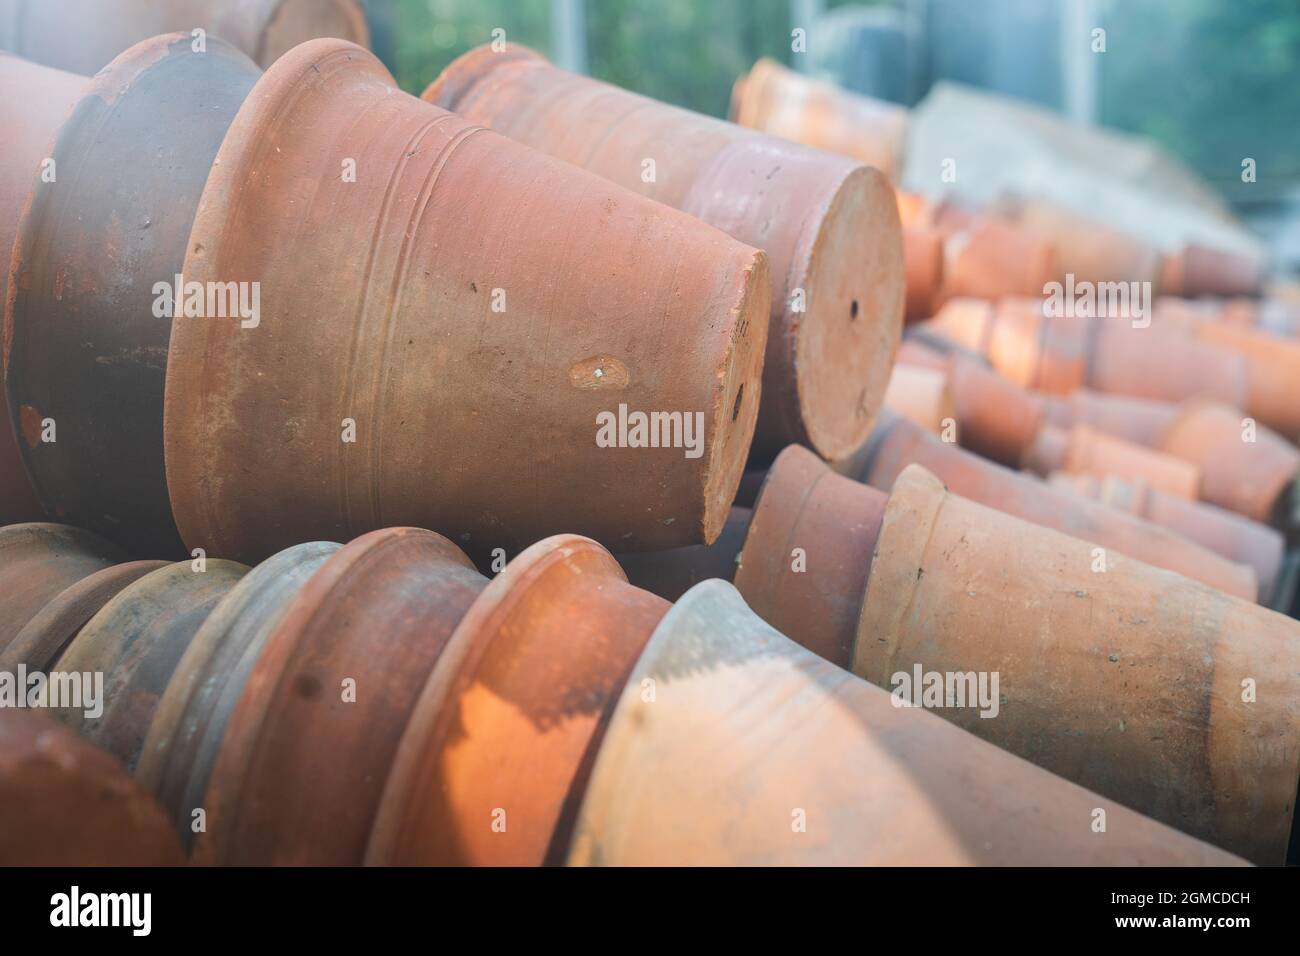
921,395
1272,372
1253,478
1140,420
65,803
1086,451
381,388
672,573
84,35
37,563
1234,536
989,258
86,344
996,418
1197,270
829,226
776,100
897,443
1086,248
30,121
804,564
923,265
307,747
136,640
190,720
49,632
752,751
492,764
1129,682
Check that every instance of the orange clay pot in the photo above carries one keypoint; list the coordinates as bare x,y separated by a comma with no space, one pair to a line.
47,635
136,641
1128,681
37,563
997,418
496,754
923,263
1234,536
988,258
1253,478
301,766
1139,420
65,803
190,721
1086,451
776,100
922,395
1089,250
1197,270
377,302
672,573
829,226
30,120
84,35
752,751
897,443
1272,376
804,564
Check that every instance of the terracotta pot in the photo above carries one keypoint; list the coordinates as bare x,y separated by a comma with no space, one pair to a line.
37,562
776,100
1088,249
922,395
1139,420
300,769
84,35
191,717
1197,270
923,267
988,258
65,803
804,564
1062,354
30,122
1253,478
995,417
897,443
1129,682
383,317
1272,376
49,632
87,345
494,759
1234,536
136,640
672,573
1086,451
755,752
829,225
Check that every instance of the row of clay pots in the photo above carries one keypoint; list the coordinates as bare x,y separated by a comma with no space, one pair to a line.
1178,700
829,226
383,703
382,323
83,36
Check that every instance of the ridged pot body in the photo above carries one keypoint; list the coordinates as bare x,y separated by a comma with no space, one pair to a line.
64,802
829,226
898,443
753,751
38,100
1088,451
306,751
37,563
190,721
1177,700
87,331
776,100
495,756
135,641
84,35
384,386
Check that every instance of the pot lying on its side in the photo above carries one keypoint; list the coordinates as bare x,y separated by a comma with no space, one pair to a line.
733,746
829,225
456,332
64,802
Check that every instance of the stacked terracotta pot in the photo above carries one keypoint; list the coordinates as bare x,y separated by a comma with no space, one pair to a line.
330,534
